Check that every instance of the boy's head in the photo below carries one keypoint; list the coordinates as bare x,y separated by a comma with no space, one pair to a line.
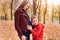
34,20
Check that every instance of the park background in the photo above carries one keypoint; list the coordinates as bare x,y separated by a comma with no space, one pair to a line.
48,12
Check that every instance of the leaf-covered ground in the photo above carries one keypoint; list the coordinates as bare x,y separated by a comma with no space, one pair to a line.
8,32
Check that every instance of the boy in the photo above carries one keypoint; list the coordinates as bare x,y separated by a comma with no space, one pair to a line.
37,30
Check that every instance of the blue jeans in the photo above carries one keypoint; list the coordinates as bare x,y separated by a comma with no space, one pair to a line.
27,34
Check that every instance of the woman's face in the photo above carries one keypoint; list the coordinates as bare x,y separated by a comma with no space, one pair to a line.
27,6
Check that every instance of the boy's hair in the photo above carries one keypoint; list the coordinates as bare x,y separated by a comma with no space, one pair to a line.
34,17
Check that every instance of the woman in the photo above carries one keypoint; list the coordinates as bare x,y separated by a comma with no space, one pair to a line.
22,20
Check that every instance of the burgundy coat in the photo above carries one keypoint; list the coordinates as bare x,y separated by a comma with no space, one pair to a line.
21,21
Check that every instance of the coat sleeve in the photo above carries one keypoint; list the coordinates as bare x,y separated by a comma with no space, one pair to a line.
38,31
17,18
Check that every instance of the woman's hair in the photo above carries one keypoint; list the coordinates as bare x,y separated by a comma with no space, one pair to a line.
24,2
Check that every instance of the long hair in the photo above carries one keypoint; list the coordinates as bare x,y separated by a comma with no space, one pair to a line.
24,2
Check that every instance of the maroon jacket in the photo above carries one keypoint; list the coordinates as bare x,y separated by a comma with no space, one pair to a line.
21,21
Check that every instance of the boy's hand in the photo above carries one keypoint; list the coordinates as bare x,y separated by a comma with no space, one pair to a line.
29,27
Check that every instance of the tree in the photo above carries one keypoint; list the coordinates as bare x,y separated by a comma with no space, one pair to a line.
34,7
52,11
4,11
59,11
39,9
45,11
11,9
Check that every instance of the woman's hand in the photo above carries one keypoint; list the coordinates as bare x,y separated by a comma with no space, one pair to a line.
23,37
29,27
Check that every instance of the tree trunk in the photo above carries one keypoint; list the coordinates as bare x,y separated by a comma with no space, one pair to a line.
45,12
34,7
52,11
39,4
4,12
11,9
59,11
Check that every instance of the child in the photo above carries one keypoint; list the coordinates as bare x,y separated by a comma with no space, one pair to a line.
38,29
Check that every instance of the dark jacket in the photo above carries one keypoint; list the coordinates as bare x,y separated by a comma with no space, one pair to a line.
21,21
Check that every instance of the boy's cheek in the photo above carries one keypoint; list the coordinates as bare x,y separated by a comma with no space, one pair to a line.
33,23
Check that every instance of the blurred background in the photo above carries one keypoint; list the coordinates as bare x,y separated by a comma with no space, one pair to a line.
48,12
